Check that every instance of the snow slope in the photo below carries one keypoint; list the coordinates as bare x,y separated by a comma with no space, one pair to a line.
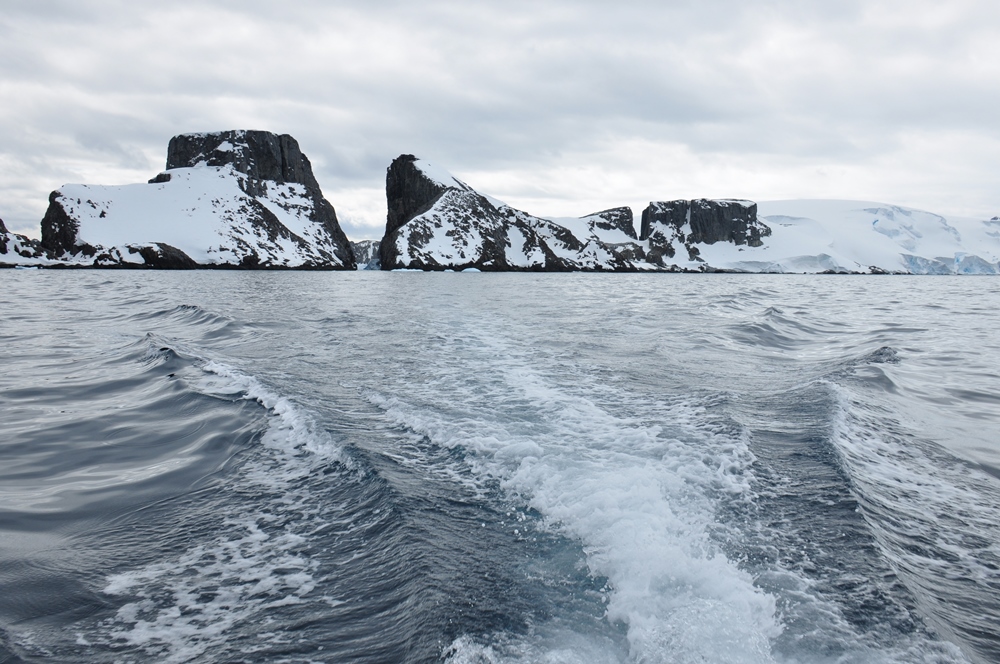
204,212
860,236
240,198
459,228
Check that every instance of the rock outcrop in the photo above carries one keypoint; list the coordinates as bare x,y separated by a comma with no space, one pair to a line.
238,199
437,222
669,226
16,248
366,254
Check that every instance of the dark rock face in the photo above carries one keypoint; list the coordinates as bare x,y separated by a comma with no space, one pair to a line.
408,191
164,257
59,230
619,218
669,224
711,221
260,155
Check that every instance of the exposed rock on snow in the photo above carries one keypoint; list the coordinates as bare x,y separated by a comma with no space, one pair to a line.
435,222
670,224
438,222
244,199
366,254
249,199
16,249
859,236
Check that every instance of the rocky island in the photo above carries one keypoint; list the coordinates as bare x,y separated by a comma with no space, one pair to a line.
230,199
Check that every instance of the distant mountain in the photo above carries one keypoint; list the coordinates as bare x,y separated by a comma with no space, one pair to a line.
245,199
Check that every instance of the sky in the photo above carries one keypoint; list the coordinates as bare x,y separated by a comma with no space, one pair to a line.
559,108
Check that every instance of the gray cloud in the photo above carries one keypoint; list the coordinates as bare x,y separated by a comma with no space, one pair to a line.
569,107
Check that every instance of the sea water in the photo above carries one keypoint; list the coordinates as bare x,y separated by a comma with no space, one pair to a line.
407,467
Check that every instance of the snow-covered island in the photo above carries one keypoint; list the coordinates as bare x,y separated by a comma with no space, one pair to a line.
438,222
249,200
239,198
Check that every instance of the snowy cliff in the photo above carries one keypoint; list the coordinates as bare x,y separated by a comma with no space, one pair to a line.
670,226
249,199
227,199
437,222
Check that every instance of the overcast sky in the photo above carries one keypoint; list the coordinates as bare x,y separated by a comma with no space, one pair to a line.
558,108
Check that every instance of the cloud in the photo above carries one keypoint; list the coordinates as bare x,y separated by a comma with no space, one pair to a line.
560,108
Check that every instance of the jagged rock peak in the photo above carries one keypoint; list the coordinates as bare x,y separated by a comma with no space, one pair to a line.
435,222
412,186
619,218
261,155
16,246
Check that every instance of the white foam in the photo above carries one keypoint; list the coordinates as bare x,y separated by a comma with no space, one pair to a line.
189,604
290,429
183,607
639,495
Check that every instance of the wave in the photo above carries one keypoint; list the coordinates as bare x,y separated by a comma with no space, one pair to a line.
238,546
182,607
934,516
89,427
193,320
664,499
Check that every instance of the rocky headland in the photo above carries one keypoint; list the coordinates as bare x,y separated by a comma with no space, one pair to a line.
437,222
230,199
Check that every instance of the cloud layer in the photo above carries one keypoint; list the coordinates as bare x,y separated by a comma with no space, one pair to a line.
561,107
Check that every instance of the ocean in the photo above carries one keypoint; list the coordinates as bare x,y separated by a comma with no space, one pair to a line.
216,466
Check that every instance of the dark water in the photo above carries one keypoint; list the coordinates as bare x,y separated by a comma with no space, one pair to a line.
305,467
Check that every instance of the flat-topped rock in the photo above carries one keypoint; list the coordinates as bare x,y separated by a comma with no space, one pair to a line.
260,155
670,225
